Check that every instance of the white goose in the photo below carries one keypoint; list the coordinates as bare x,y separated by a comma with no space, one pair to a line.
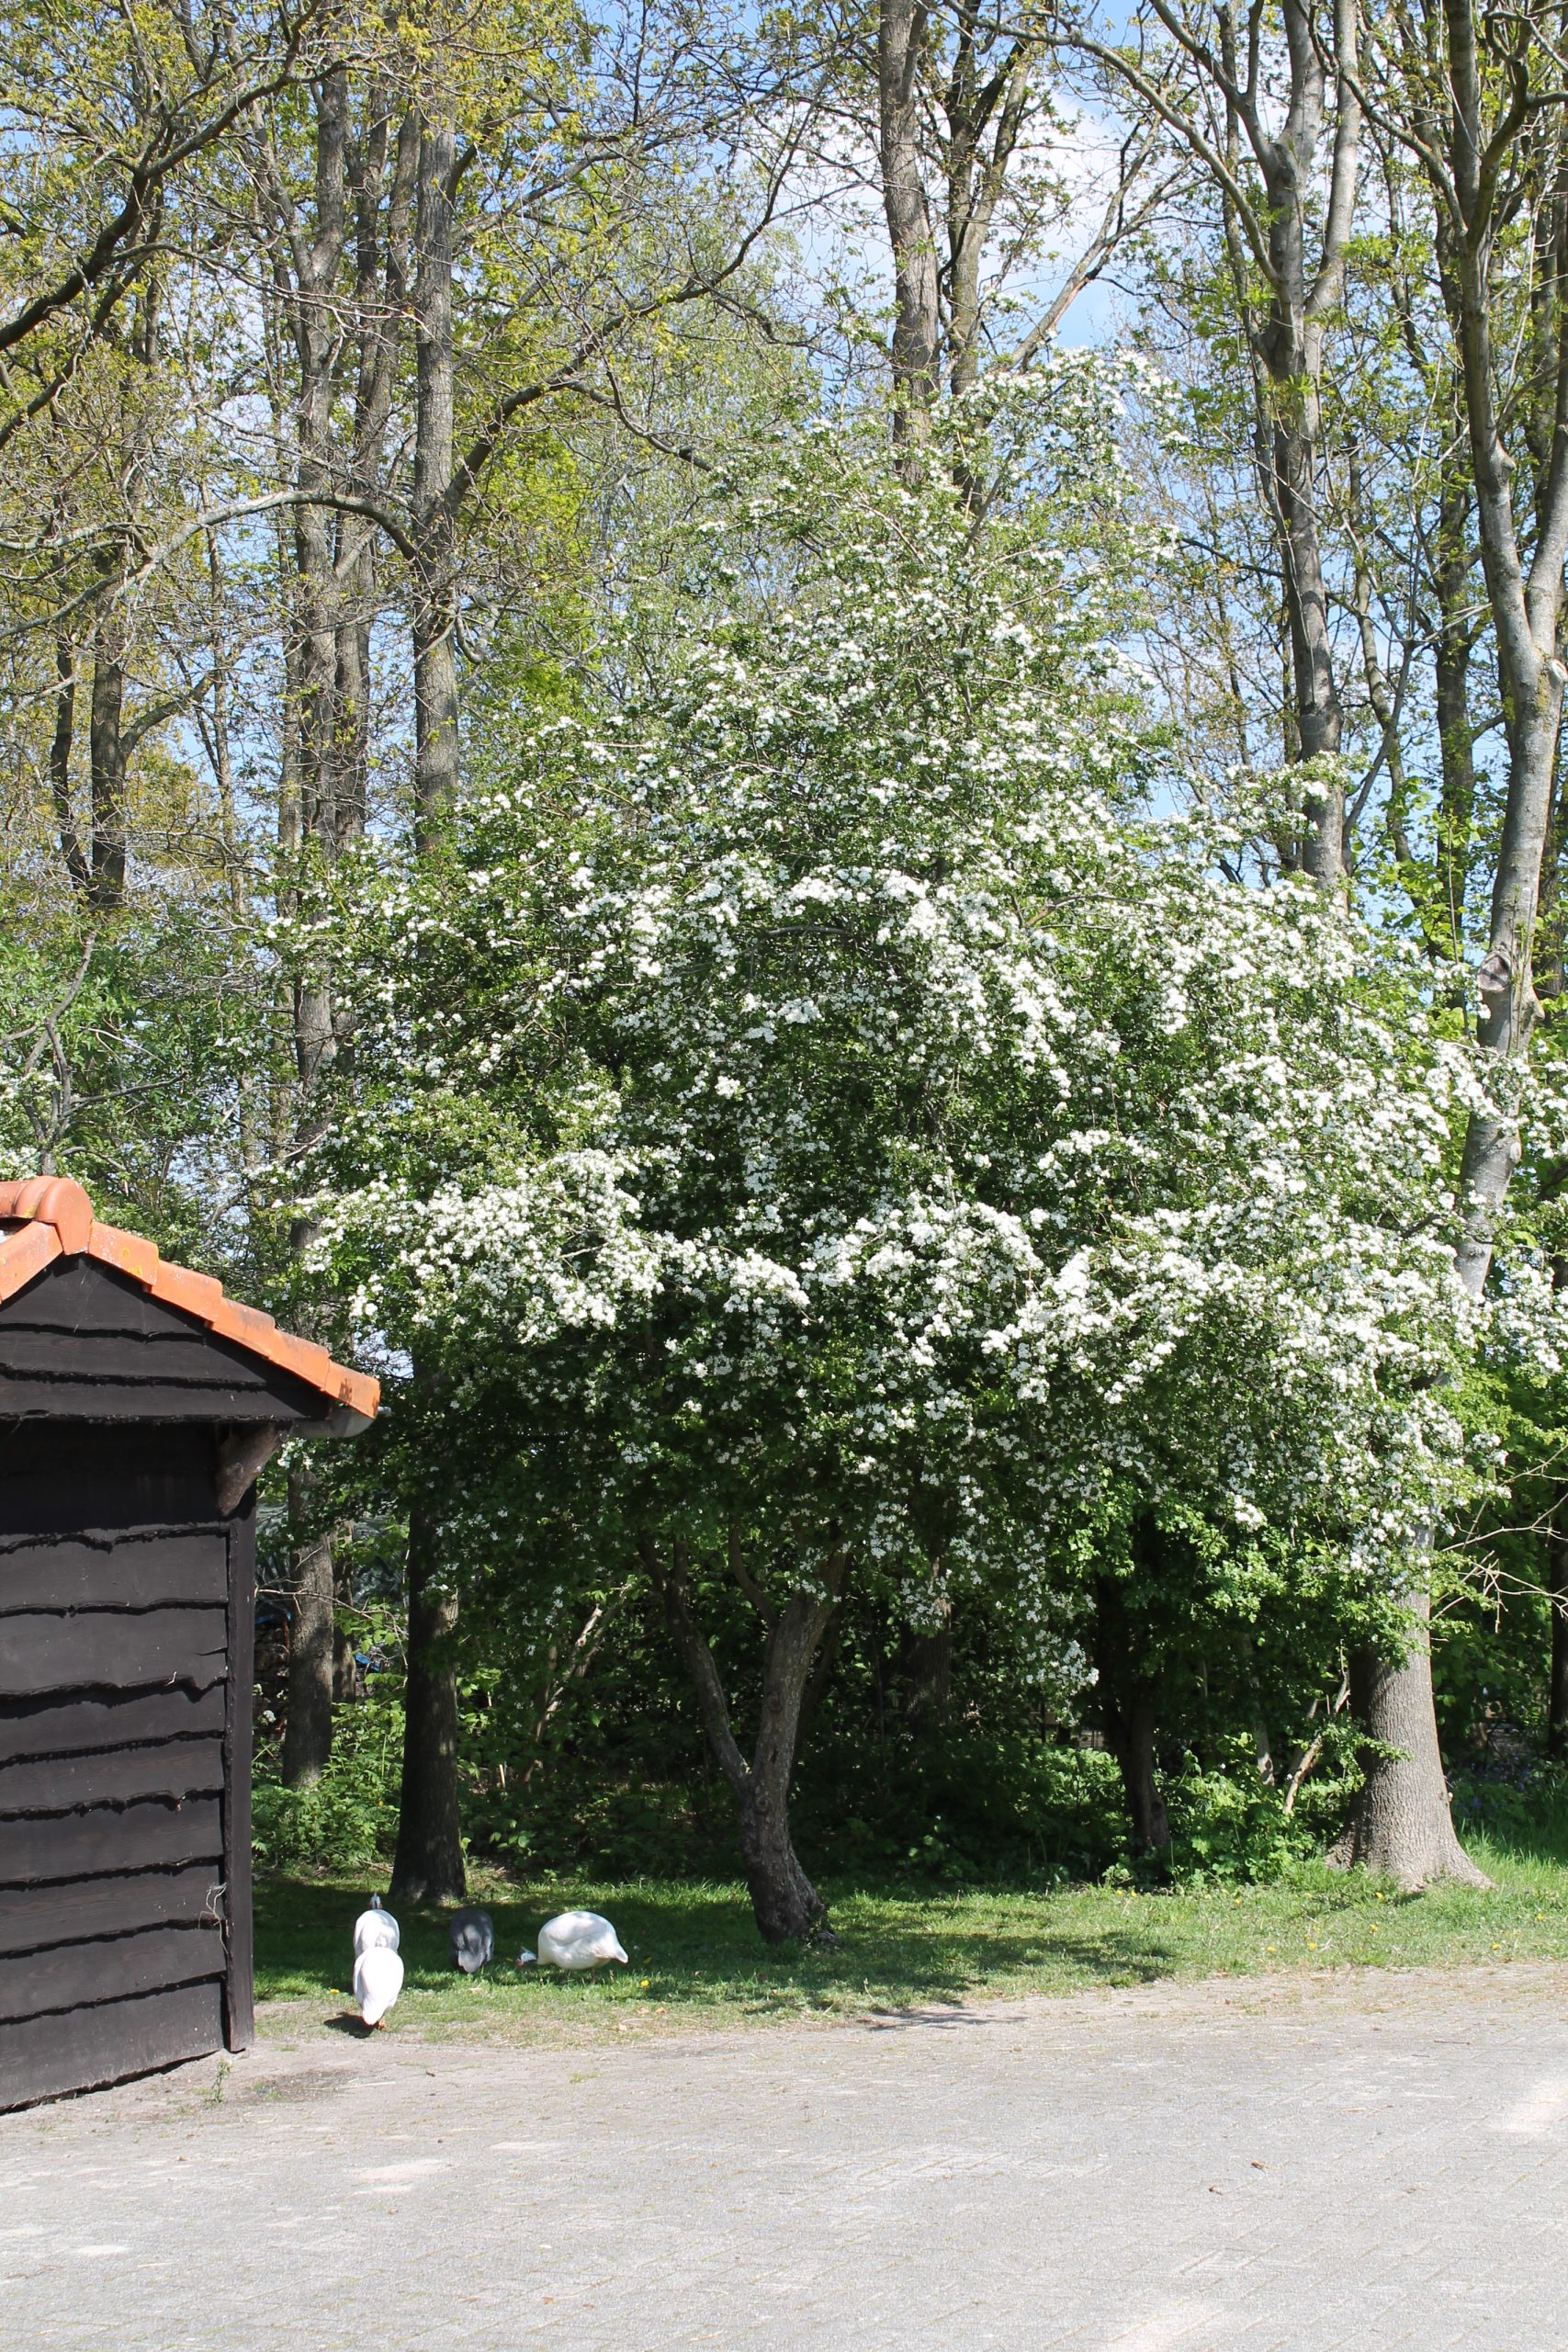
575,1940
378,1981
375,1926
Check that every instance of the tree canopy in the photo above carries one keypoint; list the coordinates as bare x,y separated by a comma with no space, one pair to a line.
814,763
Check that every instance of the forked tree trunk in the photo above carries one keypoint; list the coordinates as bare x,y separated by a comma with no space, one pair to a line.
787,1906
1403,1826
429,1865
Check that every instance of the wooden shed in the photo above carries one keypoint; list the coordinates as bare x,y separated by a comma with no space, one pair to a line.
137,1405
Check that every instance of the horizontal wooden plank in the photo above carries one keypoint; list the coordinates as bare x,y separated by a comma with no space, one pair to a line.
64,1475
83,2049
175,1769
192,1358
108,1970
131,1571
114,1649
279,1401
104,1719
31,1916
146,1835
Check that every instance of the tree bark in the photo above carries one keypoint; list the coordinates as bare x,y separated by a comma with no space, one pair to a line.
1284,328
385,177
306,266
1147,1815
430,1852
1404,1826
308,1727
429,1865
436,747
1128,1700
59,751
978,110
902,27
1291,345
786,1904
1557,1588
106,752
1453,646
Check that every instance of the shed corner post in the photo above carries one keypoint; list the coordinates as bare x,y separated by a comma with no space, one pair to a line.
239,1976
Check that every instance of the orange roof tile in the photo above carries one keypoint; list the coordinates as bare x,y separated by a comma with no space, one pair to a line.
52,1217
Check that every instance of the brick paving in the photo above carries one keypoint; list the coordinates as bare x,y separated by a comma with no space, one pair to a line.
1344,2164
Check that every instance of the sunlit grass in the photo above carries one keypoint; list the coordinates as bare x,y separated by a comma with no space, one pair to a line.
696,1958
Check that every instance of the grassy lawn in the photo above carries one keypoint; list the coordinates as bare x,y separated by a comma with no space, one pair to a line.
696,1958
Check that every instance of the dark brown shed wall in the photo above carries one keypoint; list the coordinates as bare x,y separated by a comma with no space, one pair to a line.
125,1617
83,1340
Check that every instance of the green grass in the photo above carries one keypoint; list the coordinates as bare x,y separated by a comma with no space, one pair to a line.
696,1958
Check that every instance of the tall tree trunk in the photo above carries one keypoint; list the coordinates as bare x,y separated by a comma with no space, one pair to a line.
1451,652
1403,1826
429,1864
902,28
786,1905
1557,1588
1285,333
105,752
348,1675
308,260
986,106
1135,1735
430,1854
383,202
1291,345
1556,1564
437,746
59,751
308,1725
1128,1700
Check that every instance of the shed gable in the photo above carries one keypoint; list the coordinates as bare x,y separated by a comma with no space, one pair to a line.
83,1341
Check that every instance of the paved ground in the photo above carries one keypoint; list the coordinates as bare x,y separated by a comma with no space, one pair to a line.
1335,2163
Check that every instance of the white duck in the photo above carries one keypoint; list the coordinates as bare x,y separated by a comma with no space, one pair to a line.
574,1940
378,1981
375,1926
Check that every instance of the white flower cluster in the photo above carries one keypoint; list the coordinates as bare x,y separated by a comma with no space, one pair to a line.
857,1114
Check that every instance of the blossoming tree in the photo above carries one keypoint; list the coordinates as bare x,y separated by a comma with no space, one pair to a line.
859,1137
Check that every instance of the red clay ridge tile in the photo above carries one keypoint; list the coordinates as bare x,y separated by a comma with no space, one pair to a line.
52,1217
